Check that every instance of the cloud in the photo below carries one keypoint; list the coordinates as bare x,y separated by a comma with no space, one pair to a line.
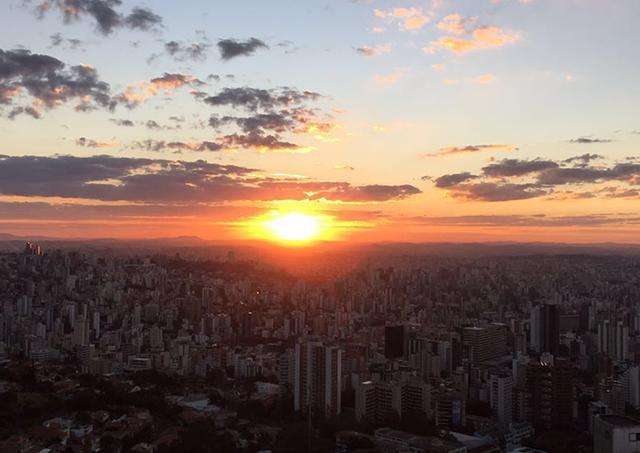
30,111
108,178
389,79
105,14
175,146
275,112
374,51
48,82
260,142
540,220
79,213
137,93
180,51
260,122
344,167
122,122
454,179
296,120
481,38
583,159
455,24
413,18
90,143
517,167
142,19
492,191
484,79
373,192
57,40
472,149
589,140
232,48
256,98
515,179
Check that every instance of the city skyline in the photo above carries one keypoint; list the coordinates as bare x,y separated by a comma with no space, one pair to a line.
368,121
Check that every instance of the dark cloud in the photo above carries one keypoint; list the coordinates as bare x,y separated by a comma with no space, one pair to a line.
589,140
256,98
121,122
45,79
573,175
152,124
514,179
492,191
232,48
517,167
218,77
274,112
57,40
260,122
453,179
142,19
627,171
195,51
258,141
583,159
30,111
180,51
90,143
540,220
108,178
175,146
87,212
105,14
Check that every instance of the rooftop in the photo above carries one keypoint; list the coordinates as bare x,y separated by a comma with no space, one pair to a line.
619,421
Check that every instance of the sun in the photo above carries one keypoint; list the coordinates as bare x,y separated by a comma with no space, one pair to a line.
297,227
294,227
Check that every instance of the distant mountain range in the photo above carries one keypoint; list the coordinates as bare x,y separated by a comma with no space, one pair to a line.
396,248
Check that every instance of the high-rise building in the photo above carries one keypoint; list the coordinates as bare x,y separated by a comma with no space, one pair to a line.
631,383
81,332
381,401
615,434
545,329
156,337
449,408
286,369
318,378
501,397
377,401
394,340
613,340
549,395
611,393
485,342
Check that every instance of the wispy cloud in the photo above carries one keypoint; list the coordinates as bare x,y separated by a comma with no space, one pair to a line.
471,149
481,38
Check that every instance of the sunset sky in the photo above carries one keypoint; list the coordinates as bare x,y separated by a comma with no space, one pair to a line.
477,120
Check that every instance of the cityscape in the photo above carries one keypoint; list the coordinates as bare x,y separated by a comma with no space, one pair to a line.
346,226
111,349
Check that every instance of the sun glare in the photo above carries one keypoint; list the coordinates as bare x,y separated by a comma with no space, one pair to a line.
294,227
